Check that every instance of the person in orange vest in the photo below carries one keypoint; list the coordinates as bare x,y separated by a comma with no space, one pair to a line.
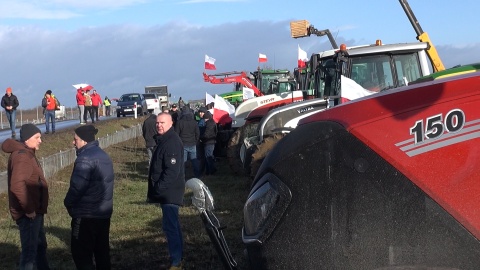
49,105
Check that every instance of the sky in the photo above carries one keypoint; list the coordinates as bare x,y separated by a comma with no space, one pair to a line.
121,46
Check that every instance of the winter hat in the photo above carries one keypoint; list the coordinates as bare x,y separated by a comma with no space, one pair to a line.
27,131
202,109
207,115
86,133
9,90
49,92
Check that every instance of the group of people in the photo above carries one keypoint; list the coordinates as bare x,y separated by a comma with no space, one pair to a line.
89,199
198,133
49,104
89,104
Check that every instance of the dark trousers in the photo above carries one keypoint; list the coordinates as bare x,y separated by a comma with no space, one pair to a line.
88,111
90,242
34,243
95,112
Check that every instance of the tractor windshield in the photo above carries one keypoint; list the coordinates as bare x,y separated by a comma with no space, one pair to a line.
377,72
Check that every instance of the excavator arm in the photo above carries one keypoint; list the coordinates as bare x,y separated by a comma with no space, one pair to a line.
303,28
230,77
423,37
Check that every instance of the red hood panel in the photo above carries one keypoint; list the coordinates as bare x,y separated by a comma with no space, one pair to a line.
429,132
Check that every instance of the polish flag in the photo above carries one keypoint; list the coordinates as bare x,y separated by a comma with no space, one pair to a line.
262,58
222,111
302,58
352,90
248,93
209,62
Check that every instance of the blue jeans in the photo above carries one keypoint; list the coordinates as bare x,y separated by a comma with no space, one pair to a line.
81,112
50,116
34,243
11,119
173,232
190,152
209,159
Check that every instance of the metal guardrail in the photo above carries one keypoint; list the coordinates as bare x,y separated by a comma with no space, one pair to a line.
54,163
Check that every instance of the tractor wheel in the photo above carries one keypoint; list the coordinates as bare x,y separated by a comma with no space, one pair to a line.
261,152
234,145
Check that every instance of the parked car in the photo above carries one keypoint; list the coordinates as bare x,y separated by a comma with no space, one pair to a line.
152,101
126,104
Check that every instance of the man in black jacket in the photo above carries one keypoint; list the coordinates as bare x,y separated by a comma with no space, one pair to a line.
149,130
89,201
208,140
10,104
188,131
166,184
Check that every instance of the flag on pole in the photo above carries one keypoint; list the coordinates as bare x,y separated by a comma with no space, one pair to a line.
222,110
209,62
262,58
248,93
302,58
352,90
208,99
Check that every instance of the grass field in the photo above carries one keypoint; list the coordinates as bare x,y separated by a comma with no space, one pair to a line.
136,238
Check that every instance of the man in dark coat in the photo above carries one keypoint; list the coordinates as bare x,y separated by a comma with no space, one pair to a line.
208,140
89,201
188,131
166,184
149,130
10,104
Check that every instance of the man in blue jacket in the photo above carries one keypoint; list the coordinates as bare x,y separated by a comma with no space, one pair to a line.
166,185
89,201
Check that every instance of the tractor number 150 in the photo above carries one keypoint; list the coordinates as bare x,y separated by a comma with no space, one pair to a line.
436,125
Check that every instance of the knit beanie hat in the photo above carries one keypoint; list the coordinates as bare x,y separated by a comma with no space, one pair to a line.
207,115
27,131
9,90
48,92
86,133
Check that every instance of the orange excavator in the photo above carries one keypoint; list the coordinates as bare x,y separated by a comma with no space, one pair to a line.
232,77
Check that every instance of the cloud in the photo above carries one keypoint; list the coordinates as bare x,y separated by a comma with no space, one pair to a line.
117,59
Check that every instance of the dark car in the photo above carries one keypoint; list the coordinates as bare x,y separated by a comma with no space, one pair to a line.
126,104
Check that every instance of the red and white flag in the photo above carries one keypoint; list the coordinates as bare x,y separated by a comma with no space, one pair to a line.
209,62
222,110
302,58
262,58
352,90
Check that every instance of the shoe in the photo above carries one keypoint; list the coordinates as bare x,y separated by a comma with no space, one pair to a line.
46,132
53,132
82,123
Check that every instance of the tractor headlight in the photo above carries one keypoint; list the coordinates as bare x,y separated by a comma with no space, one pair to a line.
264,207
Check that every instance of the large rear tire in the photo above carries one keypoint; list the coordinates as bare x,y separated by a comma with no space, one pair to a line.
261,152
234,145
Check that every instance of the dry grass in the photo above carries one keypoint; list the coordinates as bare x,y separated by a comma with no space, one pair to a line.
136,239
